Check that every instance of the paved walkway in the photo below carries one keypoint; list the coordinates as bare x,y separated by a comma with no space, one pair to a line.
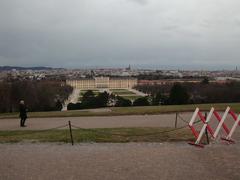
135,161
164,120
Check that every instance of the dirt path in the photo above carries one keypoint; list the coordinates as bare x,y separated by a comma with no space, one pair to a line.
135,161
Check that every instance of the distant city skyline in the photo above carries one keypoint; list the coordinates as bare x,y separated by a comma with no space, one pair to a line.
185,35
190,68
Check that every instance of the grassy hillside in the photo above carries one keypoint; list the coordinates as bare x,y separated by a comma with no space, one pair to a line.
112,135
114,111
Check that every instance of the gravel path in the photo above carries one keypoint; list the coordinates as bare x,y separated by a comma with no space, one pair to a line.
135,161
164,120
175,161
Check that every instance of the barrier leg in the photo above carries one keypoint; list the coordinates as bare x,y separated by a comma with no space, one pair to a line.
195,133
229,136
221,122
204,126
234,116
194,117
204,121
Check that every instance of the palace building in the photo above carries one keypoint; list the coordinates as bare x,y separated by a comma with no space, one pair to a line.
103,83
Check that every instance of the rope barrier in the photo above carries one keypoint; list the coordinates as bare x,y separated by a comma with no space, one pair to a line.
109,133
181,118
134,135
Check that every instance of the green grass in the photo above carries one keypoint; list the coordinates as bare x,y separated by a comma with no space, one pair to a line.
110,135
128,111
116,90
124,93
82,92
121,91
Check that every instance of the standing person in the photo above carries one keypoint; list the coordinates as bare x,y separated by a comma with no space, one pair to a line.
23,113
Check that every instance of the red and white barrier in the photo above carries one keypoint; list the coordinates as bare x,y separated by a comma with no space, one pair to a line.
197,135
207,127
219,118
228,132
236,123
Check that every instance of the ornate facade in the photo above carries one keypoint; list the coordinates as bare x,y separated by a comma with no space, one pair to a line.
103,82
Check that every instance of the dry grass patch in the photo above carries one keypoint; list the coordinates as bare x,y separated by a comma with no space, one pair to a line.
103,135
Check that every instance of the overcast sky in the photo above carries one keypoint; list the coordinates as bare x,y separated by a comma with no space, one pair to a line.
112,33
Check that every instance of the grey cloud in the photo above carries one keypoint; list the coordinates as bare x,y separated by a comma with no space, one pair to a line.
142,2
237,21
170,27
72,33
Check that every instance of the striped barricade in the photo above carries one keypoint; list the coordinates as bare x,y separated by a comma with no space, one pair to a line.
232,130
206,126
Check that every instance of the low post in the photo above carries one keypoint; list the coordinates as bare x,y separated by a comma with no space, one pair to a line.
176,119
206,131
70,129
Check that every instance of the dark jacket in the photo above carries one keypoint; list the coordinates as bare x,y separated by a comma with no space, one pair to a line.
23,111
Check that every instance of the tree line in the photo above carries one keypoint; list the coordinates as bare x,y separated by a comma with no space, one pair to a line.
91,100
38,95
193,93
177,95
49,95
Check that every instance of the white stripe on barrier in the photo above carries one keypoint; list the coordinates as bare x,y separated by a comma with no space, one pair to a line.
233,128
194,117
204,126
221,122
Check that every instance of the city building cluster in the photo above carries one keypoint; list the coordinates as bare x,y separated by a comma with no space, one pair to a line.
142,75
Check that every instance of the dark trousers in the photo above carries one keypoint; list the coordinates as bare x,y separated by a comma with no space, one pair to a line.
22,122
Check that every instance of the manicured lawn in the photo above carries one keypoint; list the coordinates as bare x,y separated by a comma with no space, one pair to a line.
119,90
124,93
82,92
95,92
129,110
110,135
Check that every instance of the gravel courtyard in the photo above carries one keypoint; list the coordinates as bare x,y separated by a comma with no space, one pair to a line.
119,161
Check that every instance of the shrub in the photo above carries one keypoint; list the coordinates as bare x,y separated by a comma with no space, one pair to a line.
178,95
143,101
122,102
